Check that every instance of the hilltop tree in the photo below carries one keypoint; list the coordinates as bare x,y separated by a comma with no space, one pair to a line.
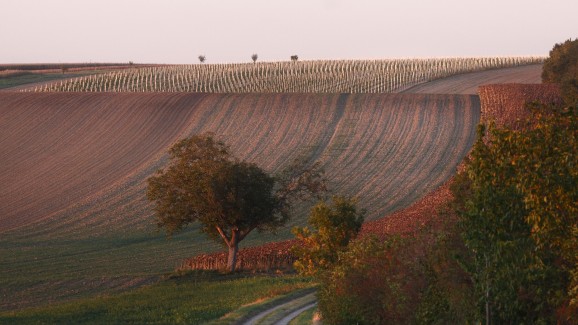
561,67
254,57
202,58
333,227
204,182
294,58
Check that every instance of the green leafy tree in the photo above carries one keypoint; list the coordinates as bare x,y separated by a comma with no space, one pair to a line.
333,227
229,197
561,67
517,200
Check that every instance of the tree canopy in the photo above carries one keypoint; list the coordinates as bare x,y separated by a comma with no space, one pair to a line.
204,182
333,227
518,203
561,67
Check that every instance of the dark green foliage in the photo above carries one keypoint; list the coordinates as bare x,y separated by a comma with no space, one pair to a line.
562,68
333,227
517,199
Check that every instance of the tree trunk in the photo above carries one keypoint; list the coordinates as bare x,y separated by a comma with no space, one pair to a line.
233,249
232,260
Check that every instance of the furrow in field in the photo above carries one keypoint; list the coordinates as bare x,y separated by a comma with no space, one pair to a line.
76,161
58,149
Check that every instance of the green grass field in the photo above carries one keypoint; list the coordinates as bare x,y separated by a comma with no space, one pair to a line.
190,299
25,78
39,271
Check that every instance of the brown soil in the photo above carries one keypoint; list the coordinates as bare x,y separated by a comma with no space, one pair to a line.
78,160
468,83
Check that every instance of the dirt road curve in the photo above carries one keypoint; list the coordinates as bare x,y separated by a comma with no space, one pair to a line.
284,313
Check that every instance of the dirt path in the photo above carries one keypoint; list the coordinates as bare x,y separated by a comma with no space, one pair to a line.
285,312
293,315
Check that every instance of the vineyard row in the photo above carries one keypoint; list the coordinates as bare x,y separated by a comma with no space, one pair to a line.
345,76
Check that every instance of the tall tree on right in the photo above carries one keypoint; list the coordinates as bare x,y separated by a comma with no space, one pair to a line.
518,205
561,67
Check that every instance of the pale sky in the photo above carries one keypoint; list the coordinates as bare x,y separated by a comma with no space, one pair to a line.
178,31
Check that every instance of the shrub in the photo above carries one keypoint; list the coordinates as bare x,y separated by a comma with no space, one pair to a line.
410,280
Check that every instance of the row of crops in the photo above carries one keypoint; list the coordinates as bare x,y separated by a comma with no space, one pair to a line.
506,104
345,76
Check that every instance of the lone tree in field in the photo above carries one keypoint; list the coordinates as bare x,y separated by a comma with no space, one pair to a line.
294,58
254,57
202,58
229,197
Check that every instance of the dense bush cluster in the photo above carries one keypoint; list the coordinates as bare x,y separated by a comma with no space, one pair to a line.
561,68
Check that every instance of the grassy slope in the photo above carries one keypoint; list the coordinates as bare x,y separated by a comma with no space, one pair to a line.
187,300
32,75
26,78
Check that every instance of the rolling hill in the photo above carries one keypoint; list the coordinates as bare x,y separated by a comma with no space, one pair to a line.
64,154
74,219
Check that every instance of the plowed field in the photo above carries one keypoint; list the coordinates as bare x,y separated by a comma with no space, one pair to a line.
62,155
73,168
